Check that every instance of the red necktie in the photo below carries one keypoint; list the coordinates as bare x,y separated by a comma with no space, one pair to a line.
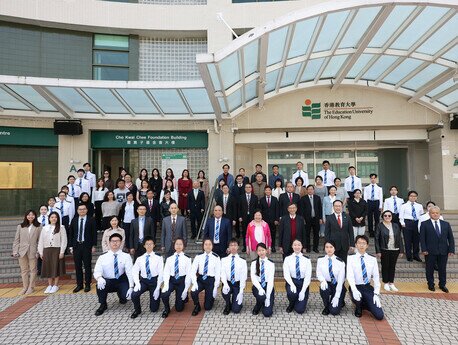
268,201
339,221
290,198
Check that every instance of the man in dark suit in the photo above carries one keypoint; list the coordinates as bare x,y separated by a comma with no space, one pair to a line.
292,227
173,226
311,209
228,204
237,190
219,230
248,203
340,230
82,243
140,227
196,207
437,244
270,211
153,210
288,198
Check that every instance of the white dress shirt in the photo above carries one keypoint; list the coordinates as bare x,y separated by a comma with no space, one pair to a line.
240,270
355,271
305,266
213,270
43,219
357,183
406,212
68,208
302,174
98,195
338,269
378,193
84,184
269,271
91,178
184,266
196,192
74,190
389,204
424,217
129,213
156,266
330,176
277,192
173,195
104,266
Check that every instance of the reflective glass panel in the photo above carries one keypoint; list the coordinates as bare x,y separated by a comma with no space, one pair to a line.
138,101
330,30
311,69
449,99
198,101
110,73
442,36
444,86
251,90
103,57
229,70
29,94
72,99
379,67
250,57
290,74
452,54
301,38
333,66
277,40
358,27
407,66
362,61
111,41
391,24
170,101
9,102
424,76
106,100
271,80
214,76
234,100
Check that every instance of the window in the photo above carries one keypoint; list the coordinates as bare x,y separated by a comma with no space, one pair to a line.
110,60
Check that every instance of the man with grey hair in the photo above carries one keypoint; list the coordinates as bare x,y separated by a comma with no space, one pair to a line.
437,244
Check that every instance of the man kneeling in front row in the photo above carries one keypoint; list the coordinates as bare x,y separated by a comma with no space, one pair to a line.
361,267
113,272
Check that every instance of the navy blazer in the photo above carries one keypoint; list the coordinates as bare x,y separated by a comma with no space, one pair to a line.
195,205
343,237
225,230
90,232
434,244
272,213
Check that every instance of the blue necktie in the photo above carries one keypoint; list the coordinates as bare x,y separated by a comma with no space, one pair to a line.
116,269
395,205
298,268
85,175
436,227
331,274
177,272
217,231
325,176
81,182
372,193
148,271
61,209
43,223
50,209
233,270
352,183
263,275
363,268
414,214
205,268
73,190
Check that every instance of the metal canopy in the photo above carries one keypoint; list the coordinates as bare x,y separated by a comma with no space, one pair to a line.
403,46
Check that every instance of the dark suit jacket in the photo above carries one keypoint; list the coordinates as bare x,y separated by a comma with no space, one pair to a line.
382,237
238,191
305,208
195,205
225,231
285,239
153,212
90,232
122,211
231,207
272,213
343,237
434,244
148,230
244,207
284,202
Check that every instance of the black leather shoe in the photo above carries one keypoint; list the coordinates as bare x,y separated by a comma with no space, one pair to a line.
101,310
123,301
87,288
431,288
134,315
256,309
290,308
77,289
165,313
443,288
418,259
325,311
196,310
358,312
227,310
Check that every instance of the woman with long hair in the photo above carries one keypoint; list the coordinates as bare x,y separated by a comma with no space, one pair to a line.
110,208
262,276
114,228
98,196
184,187
85,199
204,185
25,248
155,183
169,187
143,175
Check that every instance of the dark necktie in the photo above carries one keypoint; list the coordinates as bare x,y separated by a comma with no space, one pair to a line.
268,201
173,228
80,230
436,227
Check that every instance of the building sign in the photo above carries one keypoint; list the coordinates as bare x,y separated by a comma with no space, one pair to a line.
24,136
335,110
151,140
175,161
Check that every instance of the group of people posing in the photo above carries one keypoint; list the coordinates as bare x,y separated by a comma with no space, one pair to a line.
130,213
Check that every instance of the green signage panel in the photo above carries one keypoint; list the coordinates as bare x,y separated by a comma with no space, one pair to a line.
24,136
145,139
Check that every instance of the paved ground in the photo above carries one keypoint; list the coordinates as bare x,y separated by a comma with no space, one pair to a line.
415,317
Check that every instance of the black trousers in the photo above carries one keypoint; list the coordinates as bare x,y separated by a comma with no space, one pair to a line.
220,249
441,261
178,286
196,219
373,215
342,254
411,239
388,260
207,285
367,300
146,285
312,227
273,233
231,297
66,223
126,227
139,251
98,214
327,296
120,286
82,256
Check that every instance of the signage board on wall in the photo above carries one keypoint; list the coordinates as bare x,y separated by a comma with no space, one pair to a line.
335,110
148,139
25,136
176,161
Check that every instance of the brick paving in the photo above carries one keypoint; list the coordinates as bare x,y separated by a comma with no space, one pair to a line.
15,310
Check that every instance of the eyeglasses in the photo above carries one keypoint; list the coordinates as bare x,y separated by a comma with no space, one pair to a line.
387,216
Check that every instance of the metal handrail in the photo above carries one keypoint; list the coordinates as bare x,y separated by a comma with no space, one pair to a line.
208,210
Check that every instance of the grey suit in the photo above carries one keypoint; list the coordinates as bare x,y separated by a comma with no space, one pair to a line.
166,233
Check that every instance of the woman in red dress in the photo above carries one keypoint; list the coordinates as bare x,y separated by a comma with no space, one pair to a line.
184,187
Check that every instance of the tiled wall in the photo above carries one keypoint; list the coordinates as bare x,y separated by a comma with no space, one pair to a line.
170,59
197,160
16,202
